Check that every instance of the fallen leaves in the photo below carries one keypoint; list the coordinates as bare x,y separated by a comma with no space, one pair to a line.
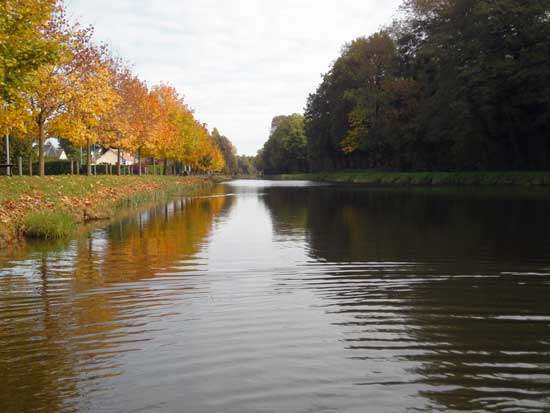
86,198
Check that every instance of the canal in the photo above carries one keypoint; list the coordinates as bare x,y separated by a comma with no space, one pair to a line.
268,296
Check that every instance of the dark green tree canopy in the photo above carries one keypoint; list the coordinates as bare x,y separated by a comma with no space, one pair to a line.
286,149
453,85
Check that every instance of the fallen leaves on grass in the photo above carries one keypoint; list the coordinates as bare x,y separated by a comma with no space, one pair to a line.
83,199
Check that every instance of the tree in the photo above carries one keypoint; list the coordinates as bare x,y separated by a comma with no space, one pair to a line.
286,149
228,151
23,46
485,69
84,118
246,165
453,85
72,85
167,136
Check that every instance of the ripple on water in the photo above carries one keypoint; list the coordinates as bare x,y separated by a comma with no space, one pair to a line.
287,297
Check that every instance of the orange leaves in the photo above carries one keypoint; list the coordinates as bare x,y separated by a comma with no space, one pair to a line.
14,210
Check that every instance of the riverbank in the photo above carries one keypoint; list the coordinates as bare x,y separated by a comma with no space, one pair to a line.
54,207
426,178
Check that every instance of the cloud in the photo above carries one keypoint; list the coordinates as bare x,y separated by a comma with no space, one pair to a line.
238,62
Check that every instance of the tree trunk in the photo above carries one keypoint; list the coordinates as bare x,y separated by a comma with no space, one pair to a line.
165,166
30,165
88,158
118,156
41,157
8,169
139,162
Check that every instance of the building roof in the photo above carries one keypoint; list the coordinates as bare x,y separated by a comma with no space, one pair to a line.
110,156
50,151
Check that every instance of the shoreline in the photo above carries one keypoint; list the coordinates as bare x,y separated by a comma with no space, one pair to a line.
57,207
377,178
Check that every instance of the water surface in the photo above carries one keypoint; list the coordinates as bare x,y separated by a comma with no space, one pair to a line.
288,297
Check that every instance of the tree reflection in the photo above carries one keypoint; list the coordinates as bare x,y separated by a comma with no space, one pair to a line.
438,280
67,312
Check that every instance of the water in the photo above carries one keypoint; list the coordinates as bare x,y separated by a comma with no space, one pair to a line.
288,297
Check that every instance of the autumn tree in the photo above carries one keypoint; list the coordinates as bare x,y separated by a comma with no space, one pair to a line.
74,82
23,46
167,137
228,150
85,116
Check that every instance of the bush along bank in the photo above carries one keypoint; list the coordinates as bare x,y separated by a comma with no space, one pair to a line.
426,178
54,207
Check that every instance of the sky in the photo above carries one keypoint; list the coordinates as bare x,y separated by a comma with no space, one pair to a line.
238,63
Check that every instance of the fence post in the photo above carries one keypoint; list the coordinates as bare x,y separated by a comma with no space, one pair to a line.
20,165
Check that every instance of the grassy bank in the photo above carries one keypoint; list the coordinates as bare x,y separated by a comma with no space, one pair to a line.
53,207
427,178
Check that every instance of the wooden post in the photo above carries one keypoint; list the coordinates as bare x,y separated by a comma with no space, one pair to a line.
118,162
20,165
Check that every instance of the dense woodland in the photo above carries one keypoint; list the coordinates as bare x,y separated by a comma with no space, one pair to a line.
56,82
450,85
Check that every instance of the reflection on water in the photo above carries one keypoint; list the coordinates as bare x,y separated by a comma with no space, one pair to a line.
273,297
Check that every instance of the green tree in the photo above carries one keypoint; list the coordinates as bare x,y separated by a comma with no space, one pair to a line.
286,149
485,69
246,165
453,85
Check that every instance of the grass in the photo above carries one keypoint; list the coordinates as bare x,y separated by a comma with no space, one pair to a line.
49,225
372,177
44,207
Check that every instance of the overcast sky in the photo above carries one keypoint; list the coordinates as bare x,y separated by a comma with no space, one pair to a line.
238,63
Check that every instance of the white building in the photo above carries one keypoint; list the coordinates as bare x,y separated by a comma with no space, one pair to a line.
110,157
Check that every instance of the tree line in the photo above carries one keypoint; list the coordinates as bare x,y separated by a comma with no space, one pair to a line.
450,85
234,164
55,82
